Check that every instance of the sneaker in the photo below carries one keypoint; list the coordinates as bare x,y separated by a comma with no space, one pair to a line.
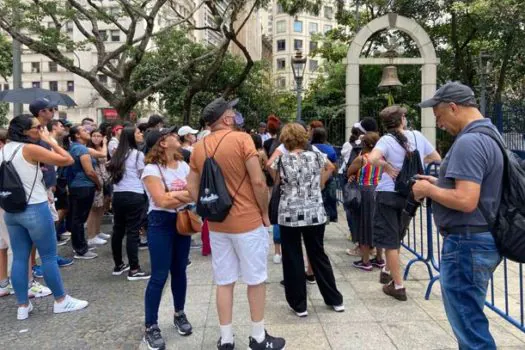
195,245
269,342
385,278
189,263
277,259
282,283
227,346
62,241
119,270
37,271
310,279
362,266
300,313
7,290
96,241
353,251
104,236
23,312
339,308
90,248
87,256
181,323
378,263
63,262
153,339
138,275
399,294
69,304
37,290
66,234
143,245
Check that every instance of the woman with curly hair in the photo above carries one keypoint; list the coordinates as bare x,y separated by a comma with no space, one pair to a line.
164,178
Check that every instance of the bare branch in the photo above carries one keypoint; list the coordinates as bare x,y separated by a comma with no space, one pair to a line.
247,68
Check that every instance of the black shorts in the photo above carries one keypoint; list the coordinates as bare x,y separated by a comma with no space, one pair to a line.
388,231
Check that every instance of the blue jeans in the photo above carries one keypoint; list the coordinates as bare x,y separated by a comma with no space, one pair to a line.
33,226
168,252
467,263
276,234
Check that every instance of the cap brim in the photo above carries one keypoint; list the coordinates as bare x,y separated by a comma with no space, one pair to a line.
431,102
166,131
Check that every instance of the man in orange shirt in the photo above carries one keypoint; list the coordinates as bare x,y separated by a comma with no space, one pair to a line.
240,242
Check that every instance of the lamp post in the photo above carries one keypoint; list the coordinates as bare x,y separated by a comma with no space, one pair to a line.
298,67
484,71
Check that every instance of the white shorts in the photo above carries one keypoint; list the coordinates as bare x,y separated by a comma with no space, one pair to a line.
4,235
240,254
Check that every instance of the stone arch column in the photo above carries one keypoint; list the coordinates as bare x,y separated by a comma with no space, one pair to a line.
428,61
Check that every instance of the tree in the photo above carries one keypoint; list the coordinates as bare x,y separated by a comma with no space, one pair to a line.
6,65
43,26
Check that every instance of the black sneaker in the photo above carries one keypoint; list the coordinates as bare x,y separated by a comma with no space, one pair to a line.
153,338
269,342
119,270
138,275
182,324
227,346
143,246
310,279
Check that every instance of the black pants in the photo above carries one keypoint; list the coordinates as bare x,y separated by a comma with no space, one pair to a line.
80,202
293,266
128,213
329,194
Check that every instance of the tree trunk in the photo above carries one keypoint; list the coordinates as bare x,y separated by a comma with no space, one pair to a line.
509,40
456,72
186,107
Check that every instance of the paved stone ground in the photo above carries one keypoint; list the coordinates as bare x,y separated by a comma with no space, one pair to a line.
115,315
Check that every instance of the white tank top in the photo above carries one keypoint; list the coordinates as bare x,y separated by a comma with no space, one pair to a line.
26,171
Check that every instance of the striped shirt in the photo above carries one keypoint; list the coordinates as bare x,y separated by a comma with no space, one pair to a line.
369,175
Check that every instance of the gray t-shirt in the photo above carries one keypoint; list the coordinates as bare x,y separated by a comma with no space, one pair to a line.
473,157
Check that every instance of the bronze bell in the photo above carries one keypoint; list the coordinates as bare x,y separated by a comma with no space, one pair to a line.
389,77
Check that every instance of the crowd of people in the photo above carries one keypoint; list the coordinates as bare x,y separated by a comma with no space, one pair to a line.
282,178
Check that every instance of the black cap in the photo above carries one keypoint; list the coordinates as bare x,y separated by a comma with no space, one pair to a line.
153,136
39,104
213,111
155,119
452,92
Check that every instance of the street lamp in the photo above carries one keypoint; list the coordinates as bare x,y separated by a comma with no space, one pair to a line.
298,67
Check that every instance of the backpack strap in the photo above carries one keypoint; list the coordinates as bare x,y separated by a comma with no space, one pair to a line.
36,172
216,148
166,188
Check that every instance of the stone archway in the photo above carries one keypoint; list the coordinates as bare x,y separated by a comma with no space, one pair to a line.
428,61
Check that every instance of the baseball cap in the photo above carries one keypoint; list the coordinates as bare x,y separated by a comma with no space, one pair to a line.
154,136
213,111
185,130
40,104
262,125
117,128
455,92
66,123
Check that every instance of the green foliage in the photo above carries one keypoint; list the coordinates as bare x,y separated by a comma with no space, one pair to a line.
6,57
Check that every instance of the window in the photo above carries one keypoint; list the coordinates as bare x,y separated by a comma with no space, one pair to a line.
103,35
281,63
35,67
281,45
70,85
298,26
6,86
69,27
313,28
327,28
328,12
52,67
281,26
36,84
313,65
313,46
281,82
297,44
115,35
53,85
103,79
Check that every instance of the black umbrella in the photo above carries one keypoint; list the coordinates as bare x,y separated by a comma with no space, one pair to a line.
27,96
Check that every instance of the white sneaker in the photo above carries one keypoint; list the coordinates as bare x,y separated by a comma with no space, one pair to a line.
23,311
89,255
66,234
38,291
7,290
69,304
104,235
277,259
97,241
339,308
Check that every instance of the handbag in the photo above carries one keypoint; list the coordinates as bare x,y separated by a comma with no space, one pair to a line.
352,195
187,223
273,206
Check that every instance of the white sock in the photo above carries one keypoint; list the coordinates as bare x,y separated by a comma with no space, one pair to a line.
385,270
226,334
258,331
398,286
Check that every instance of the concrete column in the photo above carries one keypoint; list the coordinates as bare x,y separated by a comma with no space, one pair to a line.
352,97
428,88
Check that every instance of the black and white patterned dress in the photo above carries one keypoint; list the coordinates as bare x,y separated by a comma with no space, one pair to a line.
301,202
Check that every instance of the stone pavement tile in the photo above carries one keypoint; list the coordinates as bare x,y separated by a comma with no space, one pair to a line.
196,293
297,336
197,313
276,313
434,308
391,311
500,332
515,331
355,311
358,335
344,287
419,335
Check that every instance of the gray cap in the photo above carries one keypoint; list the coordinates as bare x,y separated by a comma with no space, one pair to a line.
213,111
452,92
